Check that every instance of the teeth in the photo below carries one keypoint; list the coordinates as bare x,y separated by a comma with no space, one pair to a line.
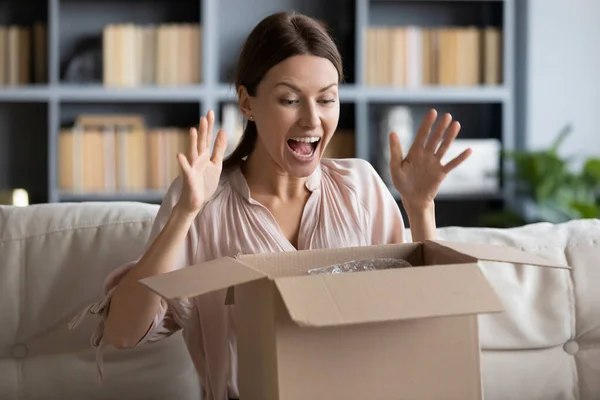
307,139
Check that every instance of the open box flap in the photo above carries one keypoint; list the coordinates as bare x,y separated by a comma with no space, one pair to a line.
500,253
202,278
387,295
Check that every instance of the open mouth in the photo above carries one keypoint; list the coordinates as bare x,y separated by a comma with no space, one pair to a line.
304,147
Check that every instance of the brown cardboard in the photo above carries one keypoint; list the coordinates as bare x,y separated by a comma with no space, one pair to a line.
381,296
407,333
488,252
205,278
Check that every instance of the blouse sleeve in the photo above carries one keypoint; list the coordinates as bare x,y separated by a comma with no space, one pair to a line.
172,314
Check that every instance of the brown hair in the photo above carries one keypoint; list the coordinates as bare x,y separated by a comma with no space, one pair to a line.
276,38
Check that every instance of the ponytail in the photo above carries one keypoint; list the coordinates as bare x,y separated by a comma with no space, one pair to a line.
244,148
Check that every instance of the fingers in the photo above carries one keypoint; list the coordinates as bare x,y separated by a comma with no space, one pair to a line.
183,163
193,148
438,133
448,139
202,133
395,149
425,128
220,146
206,131
210,116
455,162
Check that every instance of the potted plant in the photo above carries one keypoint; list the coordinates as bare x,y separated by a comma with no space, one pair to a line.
550,188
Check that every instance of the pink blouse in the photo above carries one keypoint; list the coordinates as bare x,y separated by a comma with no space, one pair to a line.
349,206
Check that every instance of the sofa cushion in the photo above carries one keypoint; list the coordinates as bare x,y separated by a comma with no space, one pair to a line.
53,262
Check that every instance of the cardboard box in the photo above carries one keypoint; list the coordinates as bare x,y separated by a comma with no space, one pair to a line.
407,333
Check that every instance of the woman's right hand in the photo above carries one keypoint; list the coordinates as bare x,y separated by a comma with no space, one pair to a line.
201,170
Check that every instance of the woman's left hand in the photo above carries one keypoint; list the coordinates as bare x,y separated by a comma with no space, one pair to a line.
418,176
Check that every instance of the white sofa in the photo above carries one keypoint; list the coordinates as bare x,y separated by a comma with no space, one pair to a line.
54,257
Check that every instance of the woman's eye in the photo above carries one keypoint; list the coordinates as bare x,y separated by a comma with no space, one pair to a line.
290,102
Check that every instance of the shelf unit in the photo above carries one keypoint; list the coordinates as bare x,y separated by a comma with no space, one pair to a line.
223,92
31,116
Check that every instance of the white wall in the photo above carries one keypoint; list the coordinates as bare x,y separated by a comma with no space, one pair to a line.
563,74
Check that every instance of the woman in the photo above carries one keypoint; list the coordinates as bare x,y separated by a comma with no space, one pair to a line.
274,193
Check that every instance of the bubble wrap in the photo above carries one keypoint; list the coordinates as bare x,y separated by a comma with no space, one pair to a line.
369,264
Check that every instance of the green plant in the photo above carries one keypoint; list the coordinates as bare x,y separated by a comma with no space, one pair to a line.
553,190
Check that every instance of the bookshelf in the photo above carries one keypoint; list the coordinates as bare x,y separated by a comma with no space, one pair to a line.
69,81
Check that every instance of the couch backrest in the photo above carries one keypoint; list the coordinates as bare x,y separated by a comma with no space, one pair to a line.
53,260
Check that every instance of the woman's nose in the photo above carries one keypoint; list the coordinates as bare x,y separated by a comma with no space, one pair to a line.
310,118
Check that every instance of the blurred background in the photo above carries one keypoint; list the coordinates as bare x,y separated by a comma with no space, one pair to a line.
97,96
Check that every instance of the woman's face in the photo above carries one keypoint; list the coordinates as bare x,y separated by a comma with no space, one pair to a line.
296,111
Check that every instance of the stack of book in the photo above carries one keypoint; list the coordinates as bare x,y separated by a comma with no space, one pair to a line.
166,54
118,153
23,54
107,153
412,56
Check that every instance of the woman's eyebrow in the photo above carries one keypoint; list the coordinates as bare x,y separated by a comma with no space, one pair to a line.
328,86
297,89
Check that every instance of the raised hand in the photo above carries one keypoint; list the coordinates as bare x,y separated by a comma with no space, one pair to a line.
418,176
201,170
